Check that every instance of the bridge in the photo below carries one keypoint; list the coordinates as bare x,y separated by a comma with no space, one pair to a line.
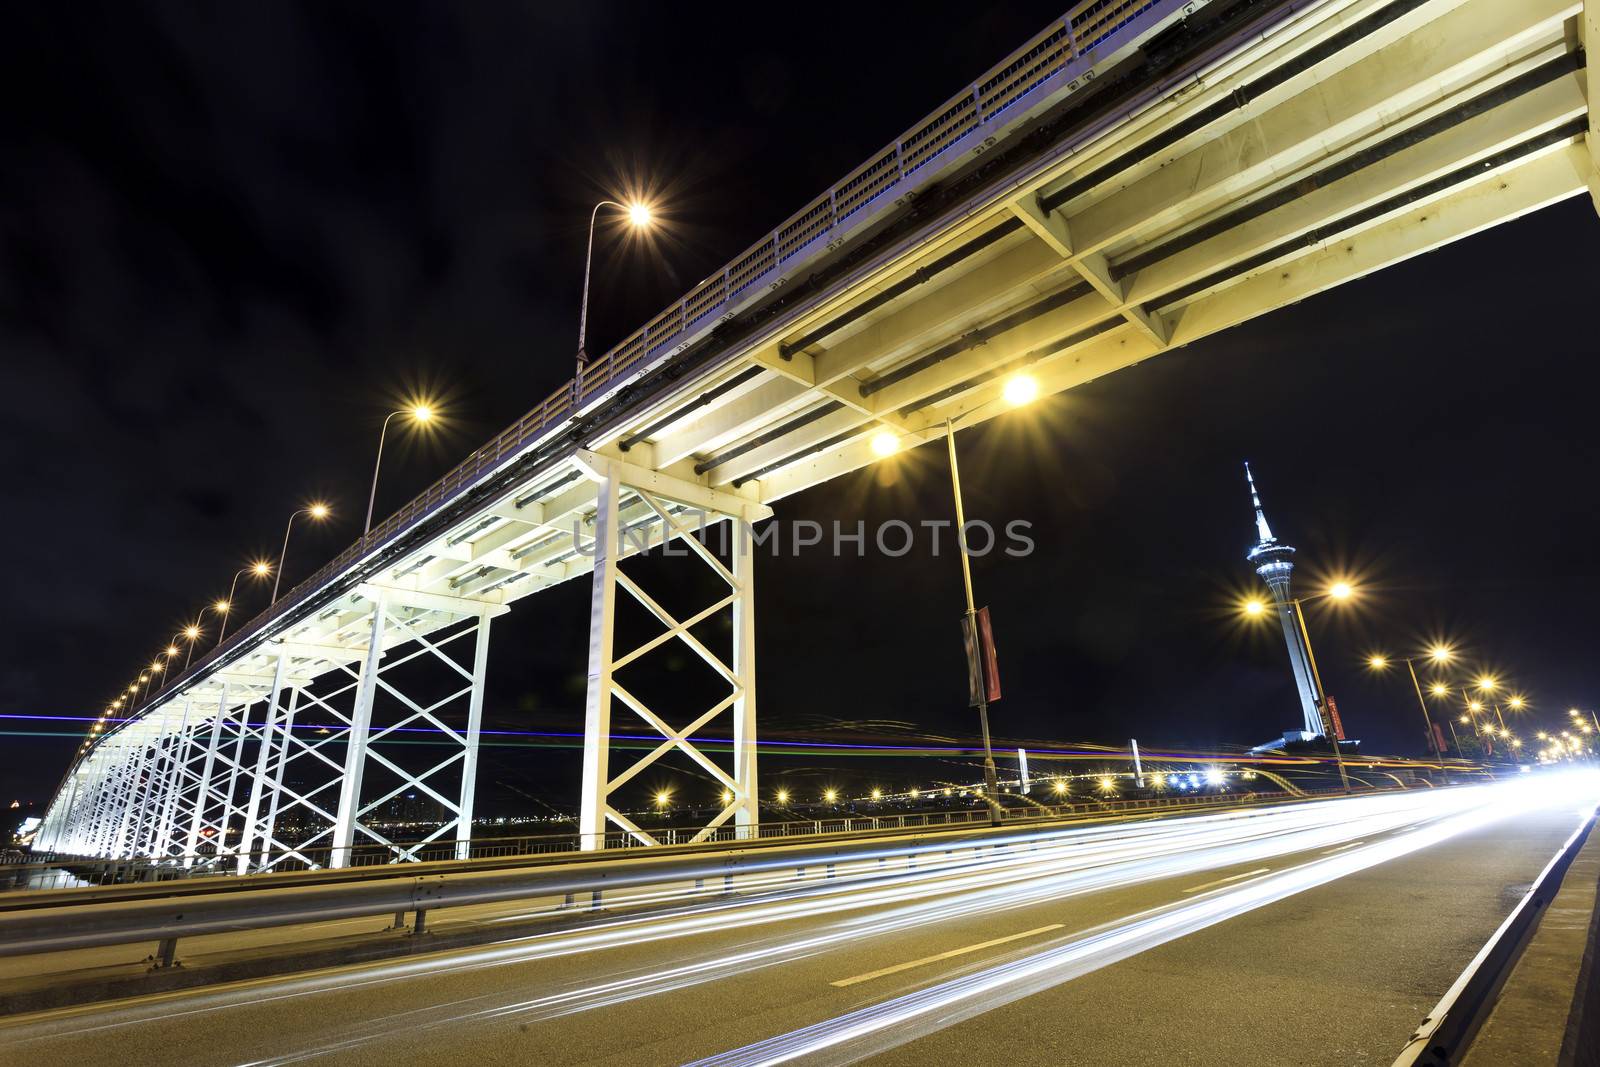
1139,175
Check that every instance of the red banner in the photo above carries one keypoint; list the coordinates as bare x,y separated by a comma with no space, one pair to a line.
1333,713
983,668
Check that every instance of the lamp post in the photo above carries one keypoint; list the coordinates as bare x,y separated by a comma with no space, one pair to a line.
1439,654
420,414
640,216
318,511
1341,590
260,569
1018,390
1316,680
191,633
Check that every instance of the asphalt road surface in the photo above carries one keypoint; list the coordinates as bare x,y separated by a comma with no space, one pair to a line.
1308,934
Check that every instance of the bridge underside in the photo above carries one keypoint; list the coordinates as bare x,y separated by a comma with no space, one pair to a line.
1355,138
1354,134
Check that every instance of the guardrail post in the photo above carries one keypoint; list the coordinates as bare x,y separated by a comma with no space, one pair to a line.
166,956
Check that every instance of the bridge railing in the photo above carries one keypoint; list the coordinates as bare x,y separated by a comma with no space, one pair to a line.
69,872
57,926
817,228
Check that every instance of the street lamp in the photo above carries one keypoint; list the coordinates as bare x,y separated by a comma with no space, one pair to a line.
1438,654
1340,590
317,511
191,634
1018,390
640,217
421,414
258,569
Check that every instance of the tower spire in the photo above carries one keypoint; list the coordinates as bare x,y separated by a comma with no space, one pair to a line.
1262,529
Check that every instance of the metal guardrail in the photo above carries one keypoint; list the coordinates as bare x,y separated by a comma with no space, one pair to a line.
1447,1031
67,872
166,919
1087,25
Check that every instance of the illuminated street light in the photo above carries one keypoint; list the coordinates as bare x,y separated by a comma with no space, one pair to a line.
258,569
421,414
727,795
1341,590
317,511
1439,689
783,796
1439,654
663,798
1516,703
1020,389
640,217
830,795
1377,663
1488,684
885,443
1254,607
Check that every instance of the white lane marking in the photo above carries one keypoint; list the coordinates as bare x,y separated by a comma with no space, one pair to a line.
1341,848
841,983
1230,878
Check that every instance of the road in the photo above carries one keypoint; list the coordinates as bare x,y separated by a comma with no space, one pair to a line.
1308,934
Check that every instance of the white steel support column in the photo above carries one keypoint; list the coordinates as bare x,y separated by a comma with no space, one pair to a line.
747,814
138,758
355,757
597,707
469,766
241,727
248,831
154,786
286,731
178,764
202,793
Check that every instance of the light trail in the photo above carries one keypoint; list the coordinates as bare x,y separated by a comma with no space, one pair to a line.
895,890
867,1031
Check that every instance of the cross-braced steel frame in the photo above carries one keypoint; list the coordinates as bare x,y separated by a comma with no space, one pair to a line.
613,537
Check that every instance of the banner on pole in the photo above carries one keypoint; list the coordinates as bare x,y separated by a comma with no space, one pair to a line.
983,669
1333,714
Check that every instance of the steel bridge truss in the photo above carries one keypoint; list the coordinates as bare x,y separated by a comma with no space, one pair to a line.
629,499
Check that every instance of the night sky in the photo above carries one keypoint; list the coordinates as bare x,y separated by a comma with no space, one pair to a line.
233,237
